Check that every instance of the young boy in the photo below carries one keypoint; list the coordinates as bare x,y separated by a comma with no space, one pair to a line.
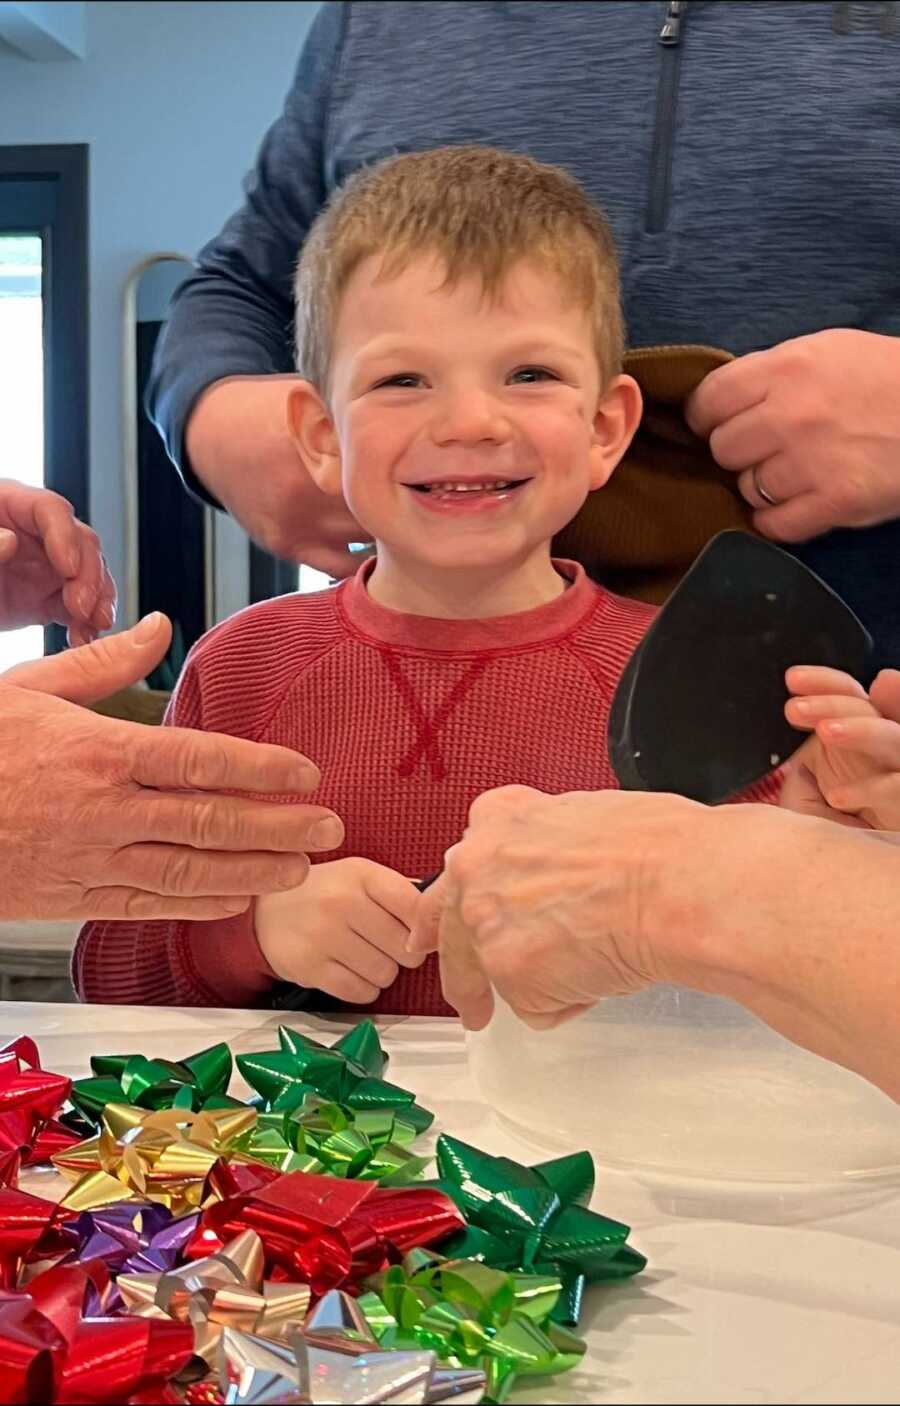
460,336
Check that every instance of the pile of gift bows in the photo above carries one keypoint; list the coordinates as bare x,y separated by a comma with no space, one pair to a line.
288,1249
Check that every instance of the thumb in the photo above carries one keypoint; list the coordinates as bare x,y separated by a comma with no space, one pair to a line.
94,671
9,543
885,694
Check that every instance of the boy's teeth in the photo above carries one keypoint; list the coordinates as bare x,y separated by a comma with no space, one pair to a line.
467,487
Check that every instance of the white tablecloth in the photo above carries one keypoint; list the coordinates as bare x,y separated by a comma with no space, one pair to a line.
753,1299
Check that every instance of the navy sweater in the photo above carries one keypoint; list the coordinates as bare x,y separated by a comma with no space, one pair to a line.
751,173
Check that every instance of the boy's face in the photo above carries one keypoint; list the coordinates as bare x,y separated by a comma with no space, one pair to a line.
465,432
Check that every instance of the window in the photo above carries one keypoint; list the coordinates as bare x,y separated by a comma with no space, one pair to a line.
21,392
43,337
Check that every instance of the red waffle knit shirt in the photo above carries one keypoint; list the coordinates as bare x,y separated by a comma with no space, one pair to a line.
409,718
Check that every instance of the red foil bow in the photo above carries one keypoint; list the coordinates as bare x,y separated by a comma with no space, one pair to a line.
31,1229
326,1231
51,1356
29,1099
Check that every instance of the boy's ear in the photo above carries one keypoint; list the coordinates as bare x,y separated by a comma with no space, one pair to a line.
618,416
312,430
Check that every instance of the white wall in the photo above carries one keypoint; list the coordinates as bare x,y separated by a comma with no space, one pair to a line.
173,99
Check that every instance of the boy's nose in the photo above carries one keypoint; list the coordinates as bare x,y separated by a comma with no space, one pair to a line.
469,418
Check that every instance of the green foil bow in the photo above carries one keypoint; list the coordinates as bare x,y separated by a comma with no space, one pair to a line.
534,1218
195,1084
472,1315
318,1136
347,1073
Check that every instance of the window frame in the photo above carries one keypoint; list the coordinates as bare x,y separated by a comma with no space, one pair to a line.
64,291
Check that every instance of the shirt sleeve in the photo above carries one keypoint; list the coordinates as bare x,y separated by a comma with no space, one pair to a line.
233,315
765,792
169,962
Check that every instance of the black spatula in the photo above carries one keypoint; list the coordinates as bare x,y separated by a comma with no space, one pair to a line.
699,710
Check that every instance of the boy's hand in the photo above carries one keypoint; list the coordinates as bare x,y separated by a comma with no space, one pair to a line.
343,930
850,770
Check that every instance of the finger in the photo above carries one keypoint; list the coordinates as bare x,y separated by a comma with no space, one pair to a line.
876,739
212,761
9,545
803,679
744,439
79,635
549,1020
384,932
94,671
51,518
182,870
82,591
354,951
806,713
804,516
424,933
727,391
104,616
209,821
876,800
127,903
339,981
885,694
465,985
397,895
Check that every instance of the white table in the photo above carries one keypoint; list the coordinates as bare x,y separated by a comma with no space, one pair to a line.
761,1301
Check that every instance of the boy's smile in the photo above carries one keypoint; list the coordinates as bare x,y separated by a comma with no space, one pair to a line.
464,432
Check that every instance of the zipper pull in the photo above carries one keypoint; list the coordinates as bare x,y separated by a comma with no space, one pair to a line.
670,34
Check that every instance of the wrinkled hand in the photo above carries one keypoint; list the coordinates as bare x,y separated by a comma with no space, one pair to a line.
238,444
533,905
51,567
850,770
345,931
109,819
818,419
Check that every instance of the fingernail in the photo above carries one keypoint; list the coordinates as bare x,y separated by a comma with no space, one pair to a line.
800,705
327,834
107,617
306,776
235,905
833,728
147,628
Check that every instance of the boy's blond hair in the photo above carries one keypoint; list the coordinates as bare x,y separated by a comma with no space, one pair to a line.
480,210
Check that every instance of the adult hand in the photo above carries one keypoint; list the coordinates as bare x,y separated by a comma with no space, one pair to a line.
530,904
109,819
238,445
556,901
815,423
51,566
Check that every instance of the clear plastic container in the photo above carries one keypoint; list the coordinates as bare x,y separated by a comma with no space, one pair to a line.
686,1088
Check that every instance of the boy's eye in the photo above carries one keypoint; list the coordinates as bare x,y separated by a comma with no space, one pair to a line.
529,375
409,380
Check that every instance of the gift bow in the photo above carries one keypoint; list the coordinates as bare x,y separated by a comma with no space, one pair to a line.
29,1099
330,1233
226,1289
50,1353
164,1156
336,1357
167,1156
31,1229
469,1313
196,1083
534,1218
347,1073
